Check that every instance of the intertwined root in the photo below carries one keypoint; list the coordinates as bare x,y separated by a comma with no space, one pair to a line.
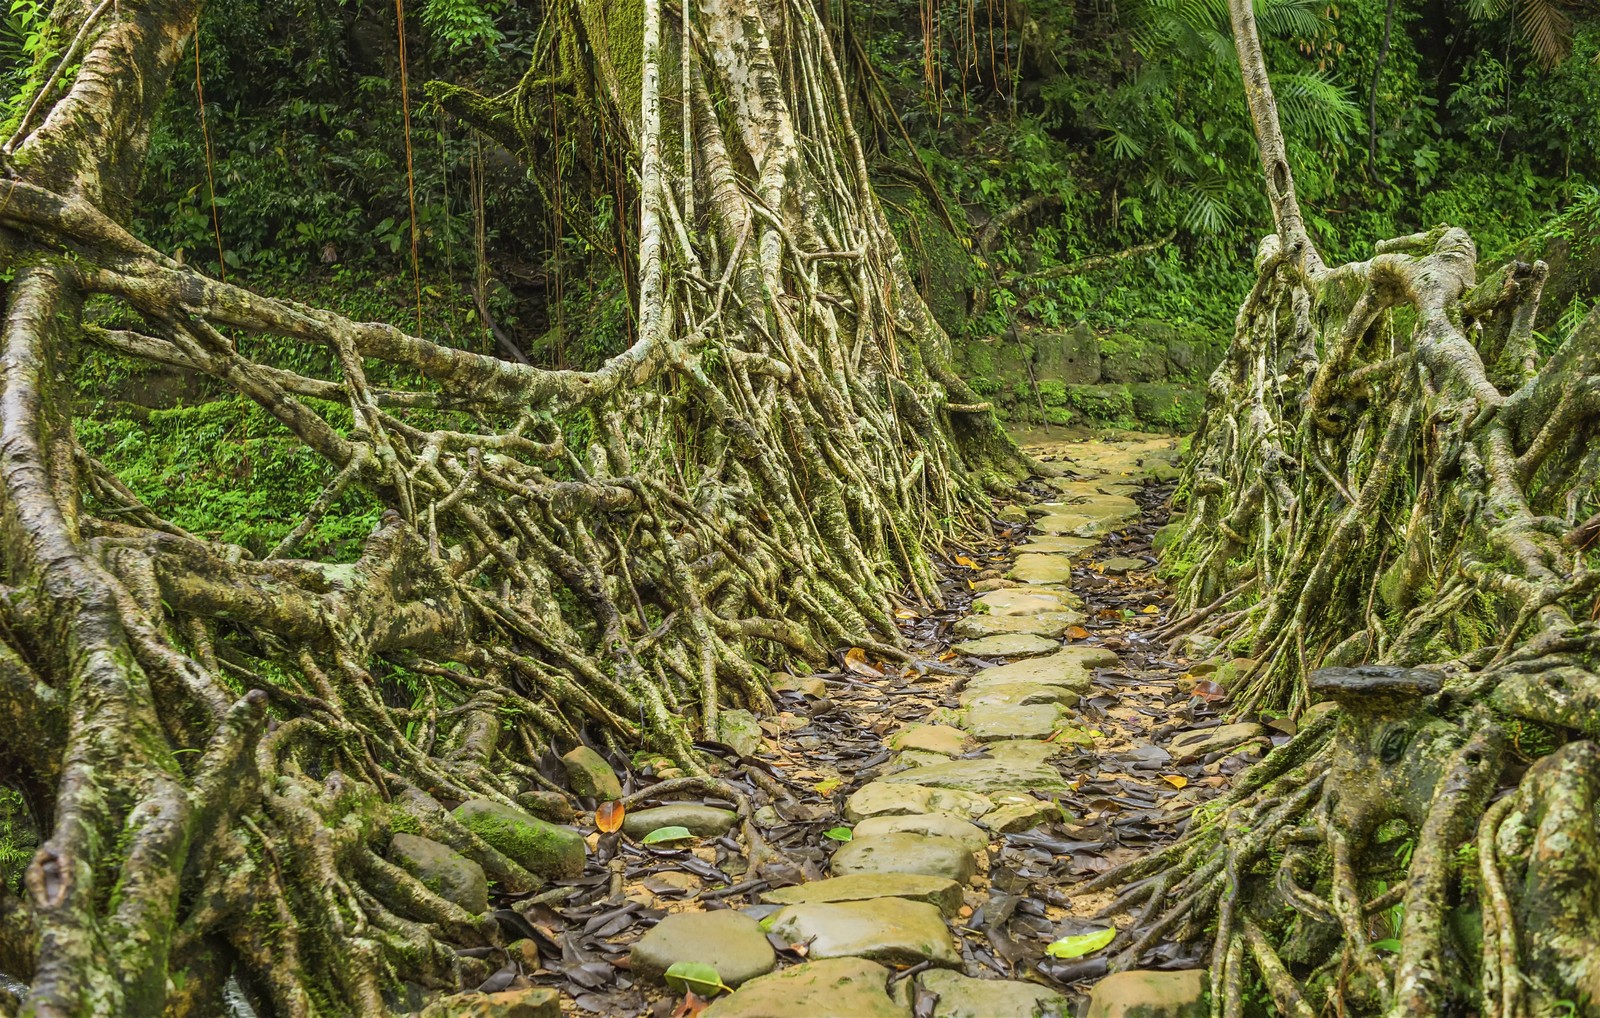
227,741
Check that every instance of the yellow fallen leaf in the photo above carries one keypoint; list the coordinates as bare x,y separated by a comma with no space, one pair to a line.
906,613
1151,609
826,787
962,560
1175,780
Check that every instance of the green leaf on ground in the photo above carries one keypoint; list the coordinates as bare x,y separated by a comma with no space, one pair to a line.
662,835
695,977
1081,944
839,833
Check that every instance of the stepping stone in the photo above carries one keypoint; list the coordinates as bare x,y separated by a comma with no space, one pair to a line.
1187,746
1120,565
938,825
1057,544
983,775
528,1002
1069,667
1147,994
809,685
930,739
1047,624
881,798
940,891
729,940
1007,645
1017,694
547,850
890,930
1041,569
907,759
905,853
989,722
702,821
444,871
836,986
1033,751
1026,601
964,997
1021,816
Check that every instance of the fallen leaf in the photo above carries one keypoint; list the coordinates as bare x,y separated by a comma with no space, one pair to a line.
690,1006
962,560
695,977
839,834
1175,780
608,816
1209,691
662,835
855,659
1077,633
827,786
906,613
1151,609
1081,944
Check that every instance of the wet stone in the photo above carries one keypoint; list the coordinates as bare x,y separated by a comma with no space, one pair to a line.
884,799
739,730
890,930
941,891
1148,994
1187,746
1058,544
590,775
1007,645
941,739
1044,623
1041,569
990,722
702,821
940,825
1026,601
964,997
905,853
730,941
984,775
442,870
835,986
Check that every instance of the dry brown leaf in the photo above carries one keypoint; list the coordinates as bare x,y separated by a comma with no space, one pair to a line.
855,660
1077,633
608,816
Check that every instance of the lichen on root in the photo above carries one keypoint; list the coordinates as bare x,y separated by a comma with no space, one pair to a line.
221,745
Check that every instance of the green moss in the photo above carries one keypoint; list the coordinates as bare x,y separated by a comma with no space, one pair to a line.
542,848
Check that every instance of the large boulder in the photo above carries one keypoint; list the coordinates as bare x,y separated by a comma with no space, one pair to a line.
539,847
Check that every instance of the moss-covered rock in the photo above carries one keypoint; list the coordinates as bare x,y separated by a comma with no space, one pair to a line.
539,847
445,872
590,775
1125,357
1167,407
1105,405
940,263
1072,357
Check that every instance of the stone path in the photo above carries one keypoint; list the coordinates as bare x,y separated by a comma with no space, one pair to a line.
911,916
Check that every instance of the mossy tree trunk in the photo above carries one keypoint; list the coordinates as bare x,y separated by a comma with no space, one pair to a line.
211,738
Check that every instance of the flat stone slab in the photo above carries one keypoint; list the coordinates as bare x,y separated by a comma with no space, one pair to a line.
989,722
1119,565
1016,694
1187,746
984,775
1148,994
1045,623
1020,816
1058,544
890,930
1025,601
1028,750
939,825
836,986
942,739
964,997
729,940
702,821
1041,569
1007,645
881,798
905,852
940,891
1069,667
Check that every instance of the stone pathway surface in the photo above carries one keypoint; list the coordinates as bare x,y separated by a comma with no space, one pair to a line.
1040,749
913,831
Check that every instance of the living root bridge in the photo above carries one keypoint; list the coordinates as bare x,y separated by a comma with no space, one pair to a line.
1392,470
219,743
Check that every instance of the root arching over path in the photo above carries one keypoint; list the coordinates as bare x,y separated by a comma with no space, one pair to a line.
218,745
